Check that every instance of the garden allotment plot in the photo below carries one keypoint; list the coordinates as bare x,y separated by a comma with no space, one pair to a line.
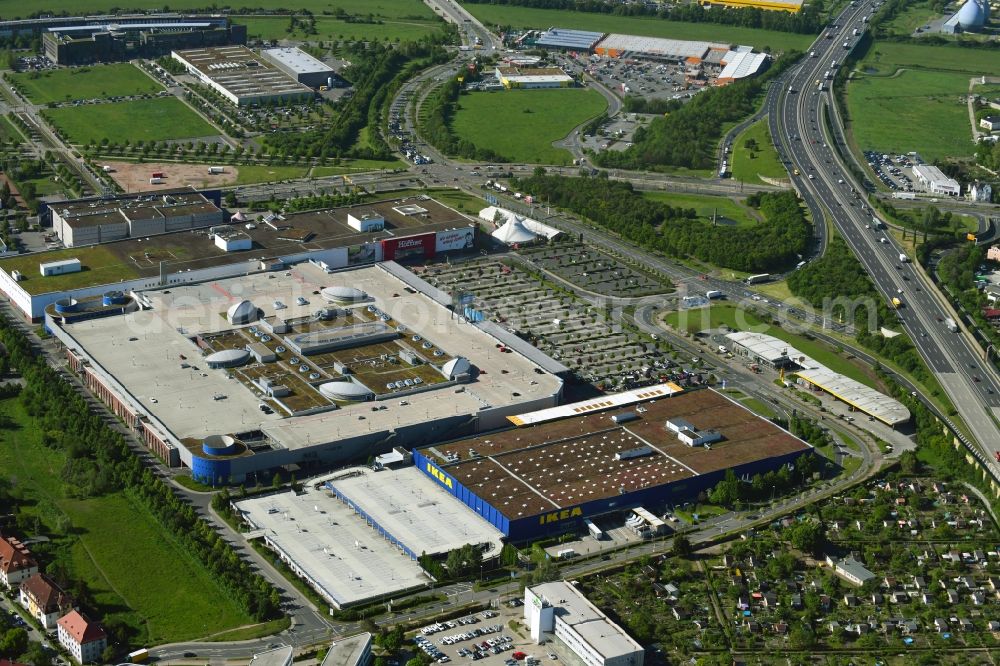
99,81
161,119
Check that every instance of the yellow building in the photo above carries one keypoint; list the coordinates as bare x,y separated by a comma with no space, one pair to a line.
770,5
538,77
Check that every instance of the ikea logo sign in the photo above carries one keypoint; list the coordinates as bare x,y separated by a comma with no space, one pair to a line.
556,516
439,475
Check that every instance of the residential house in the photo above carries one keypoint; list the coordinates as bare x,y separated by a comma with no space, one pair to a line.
16,562
919,582
940,624
780,628
981,192
978,598
877,598
952,596
769,600
990,123
899,597
83,639
965,624
835,628
850,600
850,570
909,627
926,598
44,600
993,625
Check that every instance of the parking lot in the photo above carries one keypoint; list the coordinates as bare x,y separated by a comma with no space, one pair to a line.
595,270
490,639
893,171
642,78
569,330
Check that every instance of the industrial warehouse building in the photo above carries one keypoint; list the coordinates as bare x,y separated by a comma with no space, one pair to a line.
301,66
933,180
776,353
559,609
533,77
91,221
792,6
86,40
569,40
242,76
318,369
655,445
413,228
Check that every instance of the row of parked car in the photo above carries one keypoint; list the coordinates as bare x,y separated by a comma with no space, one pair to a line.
487,647
469,635
431,650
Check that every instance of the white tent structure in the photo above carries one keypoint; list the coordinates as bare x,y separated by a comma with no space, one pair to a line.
514,231
514,228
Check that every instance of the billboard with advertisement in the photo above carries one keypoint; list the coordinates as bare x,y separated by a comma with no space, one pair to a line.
455,239
401,249
365,253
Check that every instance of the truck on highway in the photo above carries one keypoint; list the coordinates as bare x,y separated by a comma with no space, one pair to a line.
896,303
138,656
822,86
757,279
812,54
950,324
713,293
903,258
856,32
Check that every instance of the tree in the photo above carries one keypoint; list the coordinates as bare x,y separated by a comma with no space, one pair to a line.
681,546
13,642
807,536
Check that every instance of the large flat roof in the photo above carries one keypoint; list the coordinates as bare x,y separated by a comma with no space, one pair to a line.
343,558
866,399
147,351
412,507
569,39
659,46
317,230
564,462
348,651
241,71
147,205
571,607
297,60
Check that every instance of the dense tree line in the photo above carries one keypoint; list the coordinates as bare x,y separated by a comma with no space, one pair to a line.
375,73
99,461
657,105
809,21
838,284
688,136
772,245
957,270
436,115
732,491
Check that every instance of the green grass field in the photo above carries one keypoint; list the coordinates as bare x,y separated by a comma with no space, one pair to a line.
739,319
913,17
132,567
8,132
522,124
525,17
99,267
140,120
748,165
10,9
886,104
356,166
102,81
329,29
729,211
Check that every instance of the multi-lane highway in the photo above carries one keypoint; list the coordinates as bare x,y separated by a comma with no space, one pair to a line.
798,112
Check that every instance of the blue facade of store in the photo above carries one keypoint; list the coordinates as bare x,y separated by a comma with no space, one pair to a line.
571,518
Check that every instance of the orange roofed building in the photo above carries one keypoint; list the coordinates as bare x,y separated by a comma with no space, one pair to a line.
16,562
83,639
